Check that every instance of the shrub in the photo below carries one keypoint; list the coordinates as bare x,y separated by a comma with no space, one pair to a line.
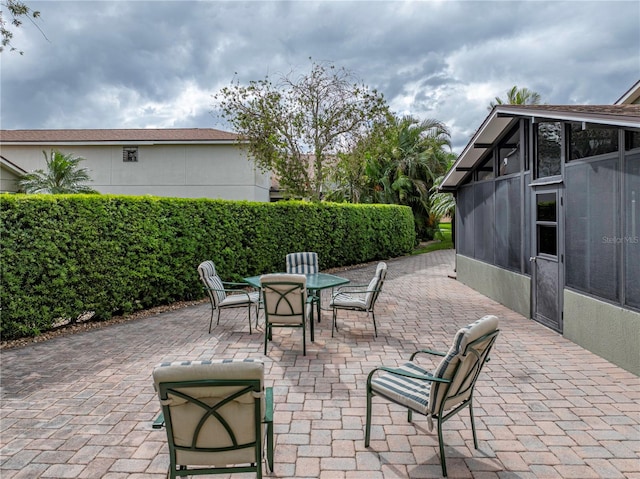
64,256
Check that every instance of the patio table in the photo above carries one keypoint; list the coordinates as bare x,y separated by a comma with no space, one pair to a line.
315,283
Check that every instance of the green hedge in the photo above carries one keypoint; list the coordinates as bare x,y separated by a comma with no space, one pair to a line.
66,255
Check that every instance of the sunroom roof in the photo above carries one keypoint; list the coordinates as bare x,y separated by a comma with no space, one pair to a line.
502,117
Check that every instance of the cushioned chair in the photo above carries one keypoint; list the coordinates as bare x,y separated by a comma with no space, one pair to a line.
359,297
217,415
223,294
284,298
443,393
305,263
302,263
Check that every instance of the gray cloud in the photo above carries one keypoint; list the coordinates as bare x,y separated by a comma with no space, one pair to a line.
133,64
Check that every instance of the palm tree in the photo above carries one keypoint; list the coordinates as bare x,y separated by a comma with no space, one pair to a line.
62,176
518,96
405,167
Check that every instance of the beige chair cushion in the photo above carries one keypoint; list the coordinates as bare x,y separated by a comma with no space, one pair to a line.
285,299
186,415
456,354
361,300
240,299
425,396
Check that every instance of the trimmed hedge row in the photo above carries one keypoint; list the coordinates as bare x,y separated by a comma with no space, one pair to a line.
66,255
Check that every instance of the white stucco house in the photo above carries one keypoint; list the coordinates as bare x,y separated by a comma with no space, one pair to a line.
186,163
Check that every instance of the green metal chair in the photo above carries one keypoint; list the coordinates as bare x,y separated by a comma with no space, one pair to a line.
284,298
443,393
224,294
218,416
359,297
305,262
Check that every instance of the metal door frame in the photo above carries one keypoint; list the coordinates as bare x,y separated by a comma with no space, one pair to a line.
558,190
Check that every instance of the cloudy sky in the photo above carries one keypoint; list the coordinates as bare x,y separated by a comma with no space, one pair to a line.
157,64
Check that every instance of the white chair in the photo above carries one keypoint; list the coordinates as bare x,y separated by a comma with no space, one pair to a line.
444,392
284,298
359,297
224,294
217,414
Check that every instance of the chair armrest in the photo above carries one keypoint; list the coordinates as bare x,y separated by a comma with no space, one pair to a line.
427,351
158,422
400,372
228,290
231,283
351,287
354,290
268,405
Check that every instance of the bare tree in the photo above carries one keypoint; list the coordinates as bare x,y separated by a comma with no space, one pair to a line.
297,126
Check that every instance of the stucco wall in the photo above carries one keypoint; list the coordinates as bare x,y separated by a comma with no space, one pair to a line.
506,287
8,181
604,329
188,171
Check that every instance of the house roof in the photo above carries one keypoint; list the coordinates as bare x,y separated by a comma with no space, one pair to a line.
503,117
120,136
12,167
632,95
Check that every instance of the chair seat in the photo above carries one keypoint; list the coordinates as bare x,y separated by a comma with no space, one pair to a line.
240,299
344,300
412,393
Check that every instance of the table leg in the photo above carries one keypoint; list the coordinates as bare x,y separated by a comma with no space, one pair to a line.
311,324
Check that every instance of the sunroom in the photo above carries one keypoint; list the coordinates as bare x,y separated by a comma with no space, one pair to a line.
548,220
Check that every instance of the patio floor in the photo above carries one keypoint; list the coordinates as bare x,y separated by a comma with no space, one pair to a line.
82,405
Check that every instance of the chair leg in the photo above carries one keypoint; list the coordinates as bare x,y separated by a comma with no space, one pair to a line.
257,313
258,466
304,339
367,429
211,321
249,311
375,328
267,332
473,425
270,447
335,324
443,461
268,422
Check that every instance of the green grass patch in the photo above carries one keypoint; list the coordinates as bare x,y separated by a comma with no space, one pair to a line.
442,241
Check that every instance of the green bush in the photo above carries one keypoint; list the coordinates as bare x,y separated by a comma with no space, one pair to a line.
64,256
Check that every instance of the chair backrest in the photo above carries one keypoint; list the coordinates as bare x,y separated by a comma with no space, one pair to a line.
284,298
213,410
462,364
375,285
212,282
302,263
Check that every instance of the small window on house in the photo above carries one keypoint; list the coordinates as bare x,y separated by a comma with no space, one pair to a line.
587,140
509,154
631,140
548,149
130,154
546,224
485,171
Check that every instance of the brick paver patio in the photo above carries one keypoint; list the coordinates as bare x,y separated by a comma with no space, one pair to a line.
81,406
